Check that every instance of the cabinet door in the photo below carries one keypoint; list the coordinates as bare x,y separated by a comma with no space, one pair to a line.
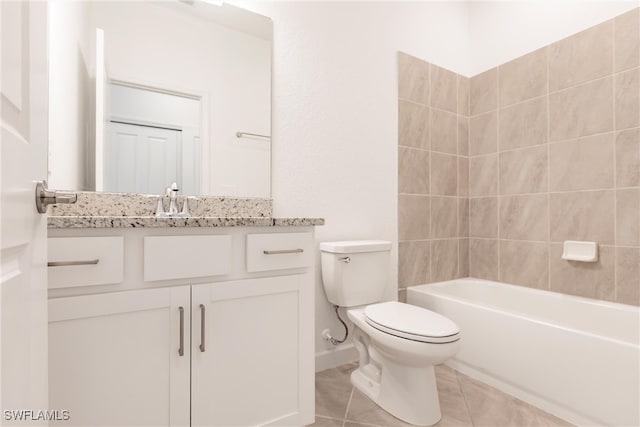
114,359
252,354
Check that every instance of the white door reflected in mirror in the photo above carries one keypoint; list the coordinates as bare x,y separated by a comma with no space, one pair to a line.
214,60
141,158
154,139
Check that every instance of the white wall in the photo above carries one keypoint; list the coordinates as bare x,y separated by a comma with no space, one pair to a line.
335,113
335,108
70,95
504,30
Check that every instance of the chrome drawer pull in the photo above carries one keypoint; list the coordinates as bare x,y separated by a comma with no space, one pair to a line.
181,349
202,324
68,263
286,251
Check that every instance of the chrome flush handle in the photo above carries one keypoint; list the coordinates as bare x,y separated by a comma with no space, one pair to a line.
46,197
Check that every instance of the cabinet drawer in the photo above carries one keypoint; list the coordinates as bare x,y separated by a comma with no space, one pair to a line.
183,257
278,251
85,261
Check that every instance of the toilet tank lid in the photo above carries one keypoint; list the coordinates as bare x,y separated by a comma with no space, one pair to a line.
355,246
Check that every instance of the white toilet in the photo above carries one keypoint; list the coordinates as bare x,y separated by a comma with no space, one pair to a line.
398,344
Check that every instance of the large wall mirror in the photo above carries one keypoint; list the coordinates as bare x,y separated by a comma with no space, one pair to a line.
144,94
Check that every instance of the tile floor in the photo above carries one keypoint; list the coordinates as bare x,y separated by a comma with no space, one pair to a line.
464,402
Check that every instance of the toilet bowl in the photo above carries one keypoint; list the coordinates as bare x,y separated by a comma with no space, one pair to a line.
396,368
398,344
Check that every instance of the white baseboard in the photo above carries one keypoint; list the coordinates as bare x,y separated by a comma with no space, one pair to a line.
336,357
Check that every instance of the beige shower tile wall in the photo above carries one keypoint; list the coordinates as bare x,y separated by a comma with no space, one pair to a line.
555,155
433,173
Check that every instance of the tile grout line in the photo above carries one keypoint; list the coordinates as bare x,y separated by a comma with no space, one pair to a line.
550,92
543,193
428,105
469,213
408,147
397,199
416,195
458,175
548,98
458,221
427,151
555,242
468,202
499,225
519,103
429,240
429,279
464,398
615,172
613,132
344,418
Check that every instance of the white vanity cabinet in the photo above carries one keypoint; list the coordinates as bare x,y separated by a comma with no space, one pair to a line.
247,346
232,348
114,358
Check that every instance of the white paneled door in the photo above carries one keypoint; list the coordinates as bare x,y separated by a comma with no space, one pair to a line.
142,159
23,154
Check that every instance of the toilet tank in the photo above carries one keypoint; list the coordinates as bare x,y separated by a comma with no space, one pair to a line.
355,272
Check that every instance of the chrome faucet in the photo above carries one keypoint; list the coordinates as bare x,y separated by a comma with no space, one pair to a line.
172,193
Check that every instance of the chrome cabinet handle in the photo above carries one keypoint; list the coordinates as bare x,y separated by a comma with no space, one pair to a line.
46,197
202,322
285,251
68,263
181,349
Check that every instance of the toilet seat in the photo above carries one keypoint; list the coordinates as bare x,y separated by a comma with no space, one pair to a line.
411,322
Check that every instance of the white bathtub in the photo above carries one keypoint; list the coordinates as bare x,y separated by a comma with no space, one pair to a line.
576,358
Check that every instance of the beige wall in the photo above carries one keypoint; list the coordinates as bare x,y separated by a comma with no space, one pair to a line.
433,146
553,155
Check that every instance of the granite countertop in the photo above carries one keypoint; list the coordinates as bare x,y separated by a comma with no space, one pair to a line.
126,210
68,221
